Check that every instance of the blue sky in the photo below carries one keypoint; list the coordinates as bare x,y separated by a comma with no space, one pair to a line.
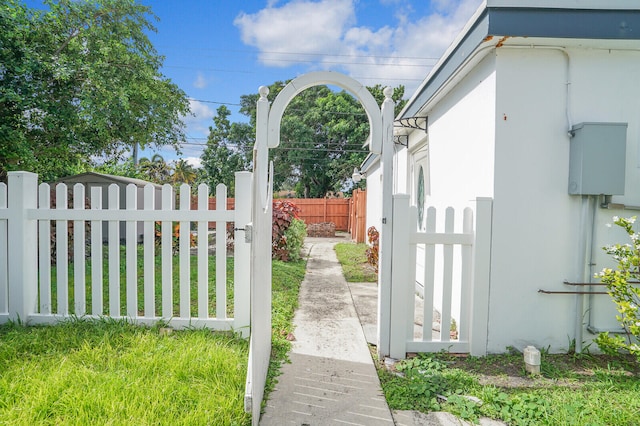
219,50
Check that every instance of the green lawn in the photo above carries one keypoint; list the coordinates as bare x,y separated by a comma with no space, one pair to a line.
353,259
109,372
193,274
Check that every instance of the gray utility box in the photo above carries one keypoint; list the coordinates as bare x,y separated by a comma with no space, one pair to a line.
597,159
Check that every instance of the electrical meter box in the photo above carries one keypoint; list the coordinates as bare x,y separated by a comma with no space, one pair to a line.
597,159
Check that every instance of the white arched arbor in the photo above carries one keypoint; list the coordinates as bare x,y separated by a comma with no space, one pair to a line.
268,119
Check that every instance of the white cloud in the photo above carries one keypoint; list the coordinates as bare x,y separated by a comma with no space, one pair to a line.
200,82
401,52
197,124
194,161
297,27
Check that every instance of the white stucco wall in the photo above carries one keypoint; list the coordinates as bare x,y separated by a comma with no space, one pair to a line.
460,141
536,224
374,197
459,160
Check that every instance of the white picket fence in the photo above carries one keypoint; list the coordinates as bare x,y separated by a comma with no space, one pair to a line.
455,276
88,274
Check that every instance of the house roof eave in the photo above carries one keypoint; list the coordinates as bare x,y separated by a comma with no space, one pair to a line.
498,20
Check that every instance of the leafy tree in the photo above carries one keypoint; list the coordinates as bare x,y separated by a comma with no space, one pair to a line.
227,150
322,136
183,172
81,80
155,169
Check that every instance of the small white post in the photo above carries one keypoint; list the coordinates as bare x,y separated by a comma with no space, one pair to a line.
23,251
399,278
481,278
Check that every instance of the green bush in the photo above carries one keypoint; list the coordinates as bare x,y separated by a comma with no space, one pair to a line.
294,239
284,212
625,295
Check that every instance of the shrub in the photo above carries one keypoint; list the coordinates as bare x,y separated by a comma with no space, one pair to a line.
294,239
620,287
175,237
284,212
374,249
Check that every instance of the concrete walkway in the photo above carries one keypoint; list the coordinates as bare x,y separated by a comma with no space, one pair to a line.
331,379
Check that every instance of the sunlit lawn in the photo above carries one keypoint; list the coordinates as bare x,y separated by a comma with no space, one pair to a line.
109,372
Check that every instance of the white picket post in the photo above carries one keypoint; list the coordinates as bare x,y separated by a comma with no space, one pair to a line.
203,254
242,254
23,255
221,254
166,229
114,253
466,277
482,277
429,277
399,278
62,252
149,255
44,250
184,244
97,300
131,240
79,238
447,278
410,294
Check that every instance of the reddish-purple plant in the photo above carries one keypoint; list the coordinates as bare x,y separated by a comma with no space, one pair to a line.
284,212
374,247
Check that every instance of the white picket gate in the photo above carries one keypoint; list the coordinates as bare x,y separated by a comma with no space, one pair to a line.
87,275
452,264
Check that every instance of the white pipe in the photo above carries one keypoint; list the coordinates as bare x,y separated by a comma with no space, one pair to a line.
584,237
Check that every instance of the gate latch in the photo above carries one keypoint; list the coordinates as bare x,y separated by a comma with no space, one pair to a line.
248,232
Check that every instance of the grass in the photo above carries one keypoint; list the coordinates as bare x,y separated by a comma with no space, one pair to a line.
287,277
572,389
353,259
110,372
193,277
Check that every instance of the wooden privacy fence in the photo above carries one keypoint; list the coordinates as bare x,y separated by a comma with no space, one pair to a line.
340,211
162,278
358,215
320,210
455,267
